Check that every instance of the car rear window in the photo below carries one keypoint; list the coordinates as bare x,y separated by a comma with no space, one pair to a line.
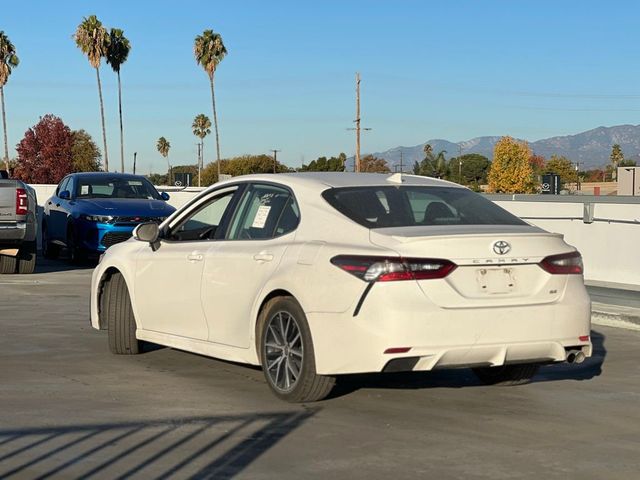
408,206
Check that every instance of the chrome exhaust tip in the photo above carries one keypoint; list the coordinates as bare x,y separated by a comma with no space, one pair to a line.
575,356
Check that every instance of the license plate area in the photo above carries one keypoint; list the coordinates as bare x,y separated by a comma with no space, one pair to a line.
492,281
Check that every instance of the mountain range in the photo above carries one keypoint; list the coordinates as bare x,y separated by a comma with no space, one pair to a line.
591,148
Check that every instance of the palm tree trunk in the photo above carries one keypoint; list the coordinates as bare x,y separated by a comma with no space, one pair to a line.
4,126
201,162
215,124
104,130
169,171
121,130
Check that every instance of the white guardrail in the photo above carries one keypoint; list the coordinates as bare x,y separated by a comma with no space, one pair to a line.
606,230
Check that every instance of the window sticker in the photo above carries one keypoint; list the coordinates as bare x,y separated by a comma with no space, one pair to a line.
136,183
84,189
261,216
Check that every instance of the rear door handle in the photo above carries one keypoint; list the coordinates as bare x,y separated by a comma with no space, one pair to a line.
263,257
195,257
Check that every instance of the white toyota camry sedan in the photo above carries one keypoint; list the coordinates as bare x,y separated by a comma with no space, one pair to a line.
316,275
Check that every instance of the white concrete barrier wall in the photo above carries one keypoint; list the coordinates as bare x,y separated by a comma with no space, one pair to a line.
611,251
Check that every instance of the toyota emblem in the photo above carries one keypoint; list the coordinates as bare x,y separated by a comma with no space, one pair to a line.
501,247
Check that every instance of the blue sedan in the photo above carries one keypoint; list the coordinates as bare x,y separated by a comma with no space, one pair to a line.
89,212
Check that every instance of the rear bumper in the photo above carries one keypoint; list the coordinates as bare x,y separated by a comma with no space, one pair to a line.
15,232
396,316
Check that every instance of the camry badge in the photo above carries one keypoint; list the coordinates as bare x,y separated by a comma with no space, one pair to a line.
501,247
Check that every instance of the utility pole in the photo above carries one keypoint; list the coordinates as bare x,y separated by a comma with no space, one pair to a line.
357,122
275,159
460,164
135,154
401,166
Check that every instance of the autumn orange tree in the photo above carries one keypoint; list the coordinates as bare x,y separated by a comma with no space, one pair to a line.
511,171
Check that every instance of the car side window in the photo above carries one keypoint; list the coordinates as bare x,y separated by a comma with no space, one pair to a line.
203,222
266,211
62,186
69,186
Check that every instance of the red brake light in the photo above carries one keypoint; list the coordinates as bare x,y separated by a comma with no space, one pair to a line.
563,264
22,201
392,269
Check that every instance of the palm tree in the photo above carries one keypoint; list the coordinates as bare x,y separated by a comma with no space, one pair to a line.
201,128
117,53
163,147
209,52
92,38
8,61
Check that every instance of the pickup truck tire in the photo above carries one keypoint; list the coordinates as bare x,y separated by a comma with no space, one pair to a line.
49,250
27,258
121,324
8,264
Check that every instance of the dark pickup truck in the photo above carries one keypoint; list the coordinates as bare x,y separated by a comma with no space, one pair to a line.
18,226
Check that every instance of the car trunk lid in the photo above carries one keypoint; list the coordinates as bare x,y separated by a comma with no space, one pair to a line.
497,265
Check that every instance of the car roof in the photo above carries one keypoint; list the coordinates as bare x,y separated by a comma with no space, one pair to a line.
99,175
322,180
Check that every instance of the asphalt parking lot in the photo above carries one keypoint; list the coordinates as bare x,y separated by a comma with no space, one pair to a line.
70,409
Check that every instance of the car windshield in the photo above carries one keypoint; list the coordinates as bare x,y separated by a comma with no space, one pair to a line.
116,188
408,206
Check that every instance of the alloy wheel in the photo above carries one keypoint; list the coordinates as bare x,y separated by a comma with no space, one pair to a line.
283,351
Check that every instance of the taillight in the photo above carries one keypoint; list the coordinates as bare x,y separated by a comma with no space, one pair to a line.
563,264
391,269
22,201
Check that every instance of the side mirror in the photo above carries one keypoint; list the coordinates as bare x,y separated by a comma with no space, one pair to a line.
64,195
148,232
164,196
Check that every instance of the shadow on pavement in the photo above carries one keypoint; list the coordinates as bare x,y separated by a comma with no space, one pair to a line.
458,378
45,265
198,447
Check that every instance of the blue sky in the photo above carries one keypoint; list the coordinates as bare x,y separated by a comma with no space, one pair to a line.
448,69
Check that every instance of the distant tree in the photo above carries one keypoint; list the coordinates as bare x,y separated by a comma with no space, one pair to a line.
209,51
201,127
595,175
44,154
537,164
432,165
324,164
627,163
163,146
8,61
474,169
243,165
372,164
562,166
85,155
510,170
616,158
117,53
158,179
93,40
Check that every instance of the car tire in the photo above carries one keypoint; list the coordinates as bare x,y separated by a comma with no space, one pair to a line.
117,313
507,375
27,258
75,253
286,348
8,264
49,250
